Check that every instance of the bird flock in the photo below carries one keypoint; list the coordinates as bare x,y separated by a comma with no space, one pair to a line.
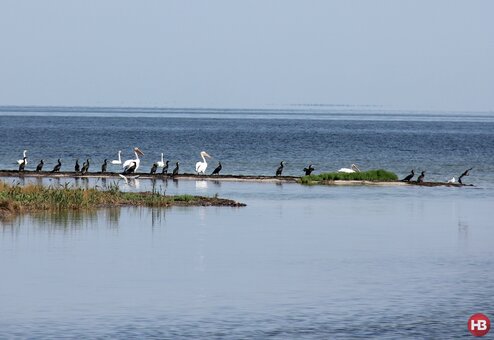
130,166
421,177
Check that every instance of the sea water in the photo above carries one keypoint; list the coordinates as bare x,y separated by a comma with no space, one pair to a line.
296,262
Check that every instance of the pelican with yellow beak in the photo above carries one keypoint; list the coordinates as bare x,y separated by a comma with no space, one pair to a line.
202,166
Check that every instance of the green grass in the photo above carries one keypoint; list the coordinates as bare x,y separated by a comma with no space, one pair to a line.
379,175
16,198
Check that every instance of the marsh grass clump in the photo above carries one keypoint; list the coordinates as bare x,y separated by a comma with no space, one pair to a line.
379,175
15,198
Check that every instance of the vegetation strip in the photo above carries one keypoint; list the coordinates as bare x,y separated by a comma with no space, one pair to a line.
371,176
16,198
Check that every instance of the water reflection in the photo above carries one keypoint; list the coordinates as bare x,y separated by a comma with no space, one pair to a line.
202,185
66,219
311,259
158,216
463,233
216,183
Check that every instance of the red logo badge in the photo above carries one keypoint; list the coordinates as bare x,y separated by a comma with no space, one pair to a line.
479,324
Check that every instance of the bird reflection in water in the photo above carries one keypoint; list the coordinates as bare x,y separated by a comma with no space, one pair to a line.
158,216
201,185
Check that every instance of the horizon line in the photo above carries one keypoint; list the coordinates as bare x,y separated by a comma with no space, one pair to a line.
297,107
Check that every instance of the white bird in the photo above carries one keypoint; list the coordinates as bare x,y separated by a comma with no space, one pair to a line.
353,169
130,177
202,166
128,164
119,160
161,163
452,180
24,157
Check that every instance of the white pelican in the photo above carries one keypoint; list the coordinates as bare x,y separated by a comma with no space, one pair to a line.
24,157
161,163
128,167
119,160
353,169
202,166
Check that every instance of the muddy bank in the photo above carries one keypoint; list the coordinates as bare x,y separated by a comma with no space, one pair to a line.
235,178
115,175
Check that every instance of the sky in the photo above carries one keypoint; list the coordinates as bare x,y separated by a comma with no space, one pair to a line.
426,55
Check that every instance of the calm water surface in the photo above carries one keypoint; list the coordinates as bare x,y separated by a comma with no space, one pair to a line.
297,262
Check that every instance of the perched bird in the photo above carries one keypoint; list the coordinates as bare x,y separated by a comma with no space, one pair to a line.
217,170
40,166
24,158
85,167
131,168
103,167
175,170
409,177
130,162
420,179
57,167
165,168
119,160
23,164
154,168
202,166
77,167
280,168
465,173
308,170
452,180
353,168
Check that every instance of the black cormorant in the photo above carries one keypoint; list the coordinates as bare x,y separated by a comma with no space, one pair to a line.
85,167
175,170
217,170
130,169
40,166
420,179
308,170
165,168
280,169
409,177
23,164
465,173
57,167
103,167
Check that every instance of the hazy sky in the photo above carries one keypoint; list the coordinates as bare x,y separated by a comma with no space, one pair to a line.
401,54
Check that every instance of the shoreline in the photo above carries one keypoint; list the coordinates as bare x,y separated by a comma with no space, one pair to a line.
225,178
17,199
